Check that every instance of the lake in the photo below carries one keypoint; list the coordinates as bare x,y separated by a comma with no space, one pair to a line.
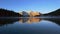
30,25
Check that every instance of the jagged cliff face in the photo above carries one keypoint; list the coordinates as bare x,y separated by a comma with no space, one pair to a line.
30,14
34,13
24,14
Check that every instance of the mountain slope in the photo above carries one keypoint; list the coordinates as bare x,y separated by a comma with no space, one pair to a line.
8,13
54,13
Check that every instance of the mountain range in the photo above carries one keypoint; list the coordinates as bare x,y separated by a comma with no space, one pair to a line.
10,13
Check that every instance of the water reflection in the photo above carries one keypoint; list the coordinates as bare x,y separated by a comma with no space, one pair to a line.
30,20
5,21
45,26
36,20
54,20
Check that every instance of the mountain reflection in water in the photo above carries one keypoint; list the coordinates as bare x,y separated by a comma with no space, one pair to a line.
30,20
5,21
27,20
45,26
54,20
36,20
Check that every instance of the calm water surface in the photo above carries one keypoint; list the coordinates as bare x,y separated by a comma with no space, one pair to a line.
29,26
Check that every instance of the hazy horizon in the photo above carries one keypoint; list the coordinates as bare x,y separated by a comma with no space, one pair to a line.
42,6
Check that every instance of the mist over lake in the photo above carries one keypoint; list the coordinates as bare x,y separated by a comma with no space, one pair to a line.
30,26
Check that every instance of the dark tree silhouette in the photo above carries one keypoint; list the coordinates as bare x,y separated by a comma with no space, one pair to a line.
8,13
7,21
54,13
54,20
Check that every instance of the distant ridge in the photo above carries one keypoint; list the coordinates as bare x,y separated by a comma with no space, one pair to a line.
54,13
8,13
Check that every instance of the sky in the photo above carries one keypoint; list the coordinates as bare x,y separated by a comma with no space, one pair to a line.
42,6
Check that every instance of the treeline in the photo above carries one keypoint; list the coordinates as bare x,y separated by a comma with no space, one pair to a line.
8,13
54,13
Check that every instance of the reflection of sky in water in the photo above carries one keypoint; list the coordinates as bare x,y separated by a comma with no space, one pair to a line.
42,27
